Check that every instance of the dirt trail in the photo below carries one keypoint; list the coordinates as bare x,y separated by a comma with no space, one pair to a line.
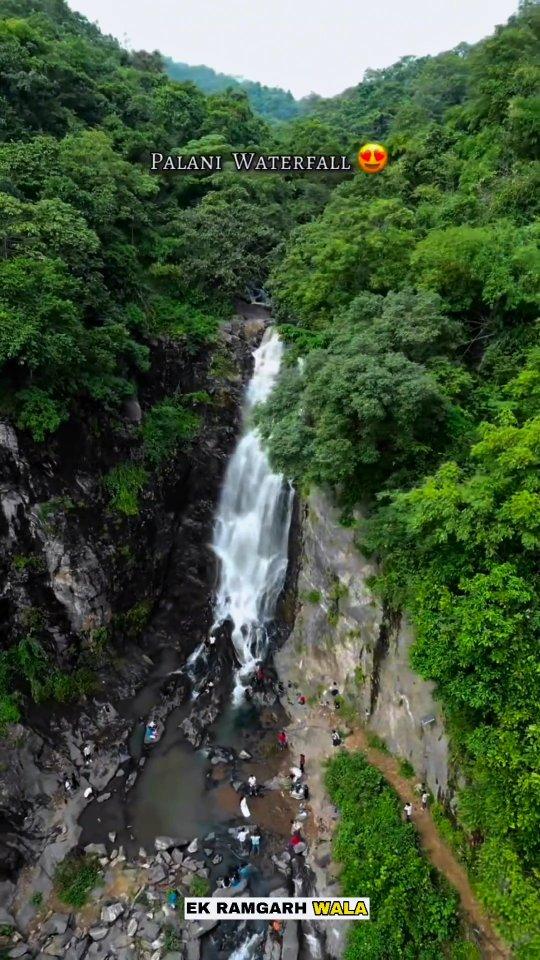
310,732
438,852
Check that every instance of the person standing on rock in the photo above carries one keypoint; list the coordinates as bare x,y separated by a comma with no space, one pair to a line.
302,762
256,841
242,837
253,789
407,811
283,740
336,738
424,800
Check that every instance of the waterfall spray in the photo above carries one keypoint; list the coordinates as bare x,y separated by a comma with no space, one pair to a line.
252,528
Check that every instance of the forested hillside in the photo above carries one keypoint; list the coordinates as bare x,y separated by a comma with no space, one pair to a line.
409,303
273,103
97,254
412,301
100,261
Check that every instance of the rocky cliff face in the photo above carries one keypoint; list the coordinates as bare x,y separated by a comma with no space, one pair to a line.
103,590
343,634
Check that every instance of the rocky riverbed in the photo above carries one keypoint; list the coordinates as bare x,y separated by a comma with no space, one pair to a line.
79,785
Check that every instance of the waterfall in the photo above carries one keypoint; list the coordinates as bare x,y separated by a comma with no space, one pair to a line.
251,531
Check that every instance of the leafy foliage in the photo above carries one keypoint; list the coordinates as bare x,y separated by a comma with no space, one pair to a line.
124,483
96,255
165,426
412,389
273,103
380,853
26,667
75,878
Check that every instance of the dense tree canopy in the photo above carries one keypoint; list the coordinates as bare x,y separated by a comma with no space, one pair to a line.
273,103
409,303
97,254
412,389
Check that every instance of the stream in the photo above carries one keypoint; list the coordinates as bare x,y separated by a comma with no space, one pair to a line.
184,792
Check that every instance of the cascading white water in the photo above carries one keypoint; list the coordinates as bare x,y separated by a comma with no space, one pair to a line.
252,528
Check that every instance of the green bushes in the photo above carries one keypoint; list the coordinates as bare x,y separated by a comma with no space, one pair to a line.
165,426
199,886
414,912
26,667
412,301
75,878
124,483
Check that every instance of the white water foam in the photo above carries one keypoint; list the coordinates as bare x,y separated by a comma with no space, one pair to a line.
251,532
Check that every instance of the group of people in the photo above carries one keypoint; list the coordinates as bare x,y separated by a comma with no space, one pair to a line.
408,808
249,841
237,877
245,839
262,680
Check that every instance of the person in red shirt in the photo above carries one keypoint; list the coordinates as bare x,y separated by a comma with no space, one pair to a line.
282,740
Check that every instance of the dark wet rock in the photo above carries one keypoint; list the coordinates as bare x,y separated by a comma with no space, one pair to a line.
131,409
55,947
81,584
78,948
6,918
148,929
58,923
272,950
156,874
290,946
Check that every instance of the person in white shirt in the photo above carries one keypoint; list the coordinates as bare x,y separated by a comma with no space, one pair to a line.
252,782
242,836
407,810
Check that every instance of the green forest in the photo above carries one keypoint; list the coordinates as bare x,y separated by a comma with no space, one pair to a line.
273,103
409,304
412,303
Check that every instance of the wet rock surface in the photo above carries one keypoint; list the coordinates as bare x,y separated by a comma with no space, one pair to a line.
343,635
99,747
104,591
